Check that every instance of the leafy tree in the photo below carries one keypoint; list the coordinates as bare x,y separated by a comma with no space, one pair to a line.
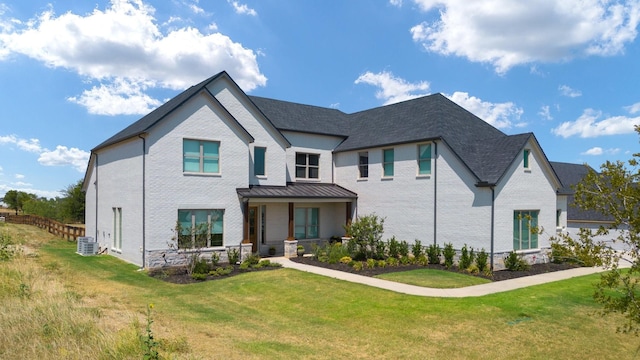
73,203
16,199
614,192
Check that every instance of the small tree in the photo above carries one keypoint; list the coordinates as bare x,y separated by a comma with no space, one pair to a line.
615,193
366,236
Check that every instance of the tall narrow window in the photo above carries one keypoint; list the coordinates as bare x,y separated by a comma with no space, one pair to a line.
201,156
307,166
525,230
424,159
306,223
117,228
525,159
200,228
387,162
363,165
259,155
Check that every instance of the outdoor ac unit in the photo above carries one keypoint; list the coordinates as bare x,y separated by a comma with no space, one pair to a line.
87,246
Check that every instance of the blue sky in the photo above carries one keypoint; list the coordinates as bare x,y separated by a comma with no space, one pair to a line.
73,73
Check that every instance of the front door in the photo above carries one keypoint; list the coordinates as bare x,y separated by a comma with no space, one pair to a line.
253,228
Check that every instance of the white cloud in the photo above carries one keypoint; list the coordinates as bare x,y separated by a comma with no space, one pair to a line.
242,8
506,33
19,176
26,188
591,124
123,44
545,112
393,89
500,115
119,98
595,151
397,3
635,108
61,156
20,183
568,91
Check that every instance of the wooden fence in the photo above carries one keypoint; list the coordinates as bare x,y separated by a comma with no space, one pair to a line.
68,232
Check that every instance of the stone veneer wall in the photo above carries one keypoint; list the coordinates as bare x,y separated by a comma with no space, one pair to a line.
171,257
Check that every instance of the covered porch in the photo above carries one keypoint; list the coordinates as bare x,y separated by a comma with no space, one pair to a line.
307,212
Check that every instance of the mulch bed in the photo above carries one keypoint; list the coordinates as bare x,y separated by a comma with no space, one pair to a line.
497,275
178,275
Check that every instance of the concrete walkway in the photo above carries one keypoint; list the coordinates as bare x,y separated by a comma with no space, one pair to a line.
469,291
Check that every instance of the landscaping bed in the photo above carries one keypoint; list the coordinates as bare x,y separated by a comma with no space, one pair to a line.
534,269
179,274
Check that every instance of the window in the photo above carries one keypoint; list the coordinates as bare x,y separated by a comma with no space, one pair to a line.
307,166
387,162
306,223
201,156
363,165
424,159
259,160
200,228
525,230
558,217
117,228
526,158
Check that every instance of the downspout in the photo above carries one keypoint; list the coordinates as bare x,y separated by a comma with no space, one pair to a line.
96,184
435,193
144,215
493,203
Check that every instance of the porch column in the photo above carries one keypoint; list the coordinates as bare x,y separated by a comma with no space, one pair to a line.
349,211
291,236
245,222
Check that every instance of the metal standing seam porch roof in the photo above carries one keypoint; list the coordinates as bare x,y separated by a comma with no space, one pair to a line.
297,191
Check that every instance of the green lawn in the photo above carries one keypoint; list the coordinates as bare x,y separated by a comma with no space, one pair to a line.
433,278
285,314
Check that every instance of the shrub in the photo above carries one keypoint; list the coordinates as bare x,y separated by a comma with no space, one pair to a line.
357,266
416,249
481,260
366,233
473,269
371,263
346,259
514,262
393,247
466,257
335,252
392,261
253,259
380,250
448,253
199,276
200,266
245,265
215,258
381,264
265,263
7,247
234,256
422,260
433,253
403,248
405,260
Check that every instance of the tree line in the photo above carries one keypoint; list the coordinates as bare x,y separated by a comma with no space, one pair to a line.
66,209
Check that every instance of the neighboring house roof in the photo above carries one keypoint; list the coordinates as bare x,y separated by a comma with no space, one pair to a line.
298,190
570,175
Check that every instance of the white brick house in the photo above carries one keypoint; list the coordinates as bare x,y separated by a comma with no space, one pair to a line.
258,171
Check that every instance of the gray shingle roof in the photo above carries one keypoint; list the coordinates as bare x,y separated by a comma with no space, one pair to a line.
570,175
298,190
486,151
303,118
